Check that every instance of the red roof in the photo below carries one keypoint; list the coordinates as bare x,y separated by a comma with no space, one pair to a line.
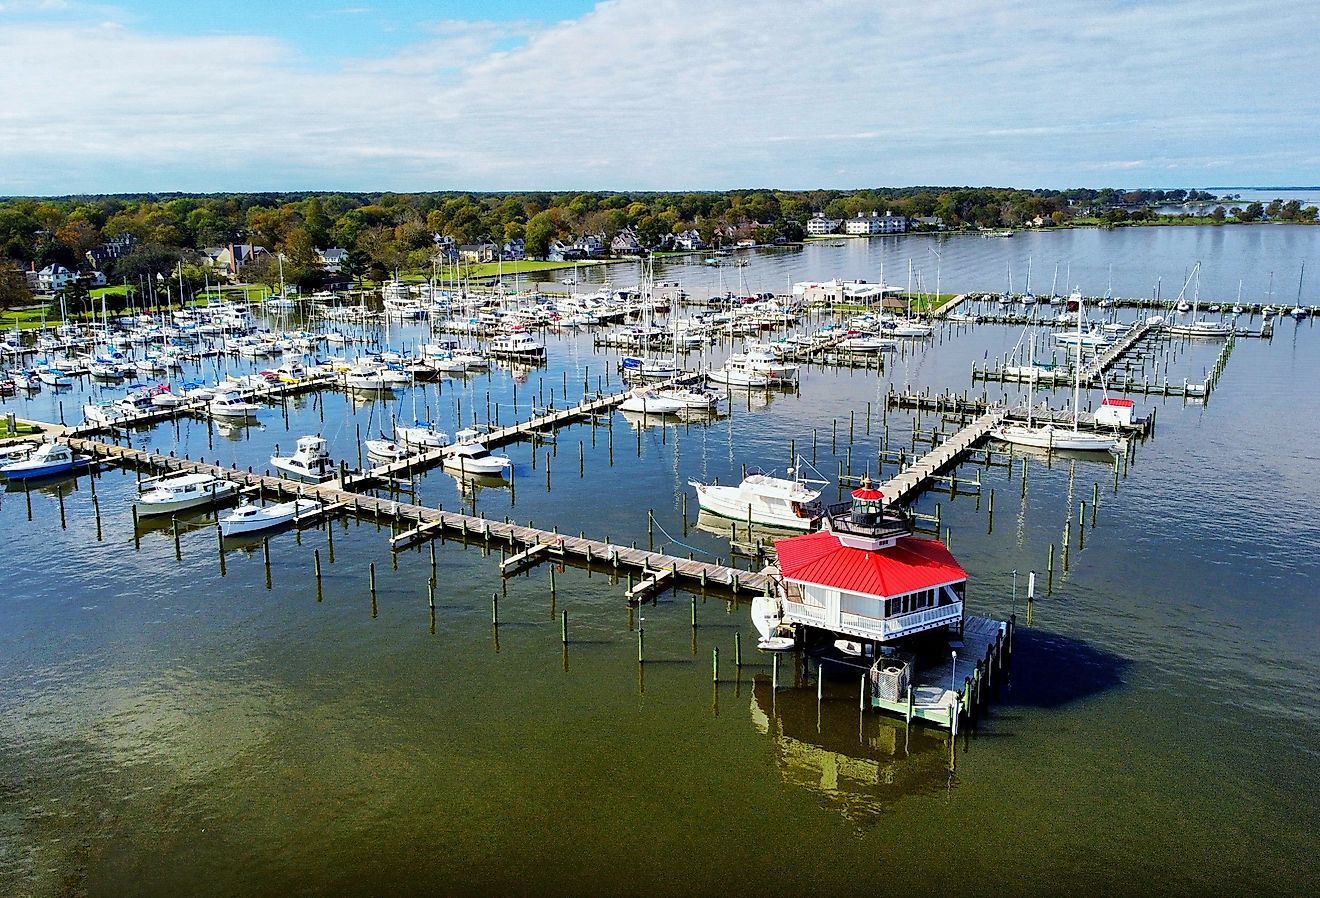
911,564
1121,403
867,494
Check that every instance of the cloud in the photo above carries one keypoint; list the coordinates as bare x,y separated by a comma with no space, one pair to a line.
669,94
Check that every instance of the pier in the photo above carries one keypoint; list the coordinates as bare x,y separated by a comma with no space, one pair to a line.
415,523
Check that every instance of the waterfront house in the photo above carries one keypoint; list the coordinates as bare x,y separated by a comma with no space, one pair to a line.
819,225
514,250
864,575
688,240
478,252
332,259
625,243
54,278
229,260
114,248
875,223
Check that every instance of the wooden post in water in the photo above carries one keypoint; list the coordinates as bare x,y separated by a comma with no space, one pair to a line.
737,650
694,612
563,627
220,547
715,664
371,581
1081,526
495,609
316,569
63,523
178,548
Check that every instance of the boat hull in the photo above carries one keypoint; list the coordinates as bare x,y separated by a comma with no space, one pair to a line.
147,506
728,502
1056,438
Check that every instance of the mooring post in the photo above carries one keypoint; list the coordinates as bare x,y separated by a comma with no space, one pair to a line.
563,627
495,609
737,649
715,664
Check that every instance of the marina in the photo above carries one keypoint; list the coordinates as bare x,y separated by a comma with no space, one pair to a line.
506,608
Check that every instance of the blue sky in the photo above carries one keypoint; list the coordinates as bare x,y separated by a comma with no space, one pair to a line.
653,94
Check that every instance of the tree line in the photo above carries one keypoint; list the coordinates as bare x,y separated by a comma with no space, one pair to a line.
387,232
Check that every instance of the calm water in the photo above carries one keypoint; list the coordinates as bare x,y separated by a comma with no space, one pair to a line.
167,731
1266,259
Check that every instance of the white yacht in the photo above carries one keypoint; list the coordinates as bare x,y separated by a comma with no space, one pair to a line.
517,345
763,499
365,377
470,456
166,495
232,405
310,461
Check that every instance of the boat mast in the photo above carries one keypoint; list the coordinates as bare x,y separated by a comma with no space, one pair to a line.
1077,373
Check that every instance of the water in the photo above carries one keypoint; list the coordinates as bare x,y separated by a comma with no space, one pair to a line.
167,731
1130,261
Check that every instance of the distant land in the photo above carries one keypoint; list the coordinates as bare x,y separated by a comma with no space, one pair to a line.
328,240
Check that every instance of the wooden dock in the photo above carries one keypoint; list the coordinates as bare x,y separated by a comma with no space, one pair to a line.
414,523
533,428
916,477
967,406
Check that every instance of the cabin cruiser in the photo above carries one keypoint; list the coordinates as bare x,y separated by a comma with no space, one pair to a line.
791,502
310,461
232,405
519,344
470,456
166,495
46,460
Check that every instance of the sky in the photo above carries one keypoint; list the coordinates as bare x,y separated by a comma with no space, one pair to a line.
406,95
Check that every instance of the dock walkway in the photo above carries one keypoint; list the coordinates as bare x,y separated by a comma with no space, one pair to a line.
915,477
426,523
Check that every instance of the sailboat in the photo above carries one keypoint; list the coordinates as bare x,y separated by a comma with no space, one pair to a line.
1050,436
1197,327
910,327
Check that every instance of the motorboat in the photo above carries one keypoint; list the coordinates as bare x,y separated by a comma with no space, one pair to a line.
365,377
517,344
249,518
421,435
232,405
738,371
650,401
766,618
166,495
46,460
164,397
470,456
292,372
310,461
12,452
791,503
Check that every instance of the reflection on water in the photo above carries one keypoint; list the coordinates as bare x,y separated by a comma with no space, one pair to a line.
741,531
860,765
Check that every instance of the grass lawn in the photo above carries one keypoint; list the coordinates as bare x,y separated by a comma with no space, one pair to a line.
24,429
